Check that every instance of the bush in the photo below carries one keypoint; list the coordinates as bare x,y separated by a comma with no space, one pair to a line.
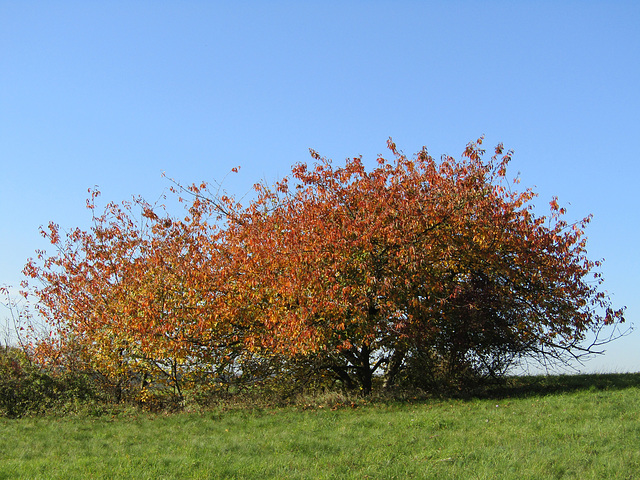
27,389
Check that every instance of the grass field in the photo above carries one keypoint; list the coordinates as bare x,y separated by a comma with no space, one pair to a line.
585,427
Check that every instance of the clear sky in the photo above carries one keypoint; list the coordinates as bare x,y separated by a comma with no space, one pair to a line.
115,93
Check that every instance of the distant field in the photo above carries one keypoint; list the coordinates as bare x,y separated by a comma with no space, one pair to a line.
585,427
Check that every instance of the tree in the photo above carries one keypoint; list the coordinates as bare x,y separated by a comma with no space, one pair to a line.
366,270
135,299
418,269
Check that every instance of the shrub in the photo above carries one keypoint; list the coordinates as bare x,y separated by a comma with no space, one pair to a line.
28,389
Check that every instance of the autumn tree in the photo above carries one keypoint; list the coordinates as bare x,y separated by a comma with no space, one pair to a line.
418,269
367,271
136,297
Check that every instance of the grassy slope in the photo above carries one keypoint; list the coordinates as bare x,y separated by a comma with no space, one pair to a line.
568,427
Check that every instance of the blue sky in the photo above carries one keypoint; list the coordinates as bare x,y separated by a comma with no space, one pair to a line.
115,93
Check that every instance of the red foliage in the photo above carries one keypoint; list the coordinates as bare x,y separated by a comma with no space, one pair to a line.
361,269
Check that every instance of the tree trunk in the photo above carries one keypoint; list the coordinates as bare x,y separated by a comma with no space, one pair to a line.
365,373
394,366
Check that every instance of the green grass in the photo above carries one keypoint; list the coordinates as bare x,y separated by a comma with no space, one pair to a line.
585,427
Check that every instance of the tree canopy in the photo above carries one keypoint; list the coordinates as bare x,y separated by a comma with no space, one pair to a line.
413,271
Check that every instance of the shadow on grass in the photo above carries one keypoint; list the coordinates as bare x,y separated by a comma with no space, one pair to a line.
521,387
